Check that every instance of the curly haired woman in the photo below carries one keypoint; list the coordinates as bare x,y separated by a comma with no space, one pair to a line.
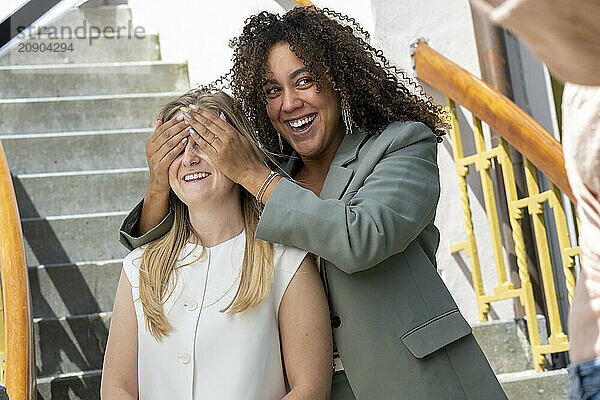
360,192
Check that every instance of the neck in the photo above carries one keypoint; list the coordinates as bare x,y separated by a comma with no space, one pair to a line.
216,223
316,167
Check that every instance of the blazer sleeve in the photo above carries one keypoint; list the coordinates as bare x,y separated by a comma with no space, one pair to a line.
396,202
128,231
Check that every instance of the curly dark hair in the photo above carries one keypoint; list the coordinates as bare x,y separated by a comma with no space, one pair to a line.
334,48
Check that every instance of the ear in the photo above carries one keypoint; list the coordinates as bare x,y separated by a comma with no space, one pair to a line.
222,116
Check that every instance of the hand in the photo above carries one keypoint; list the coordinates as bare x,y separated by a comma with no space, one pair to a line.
229,151
163,146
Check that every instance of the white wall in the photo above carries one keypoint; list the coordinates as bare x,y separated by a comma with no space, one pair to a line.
199,33
447,26
7,7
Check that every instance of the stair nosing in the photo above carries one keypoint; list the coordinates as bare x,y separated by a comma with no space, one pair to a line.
80,173
104,64
129,35
101,314
75,133
66,375
88,97
527,374
99,263
76,216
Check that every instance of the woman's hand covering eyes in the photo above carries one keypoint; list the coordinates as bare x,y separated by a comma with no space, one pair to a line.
162,148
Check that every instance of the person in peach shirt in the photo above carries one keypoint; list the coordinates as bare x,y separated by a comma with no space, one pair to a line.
565,35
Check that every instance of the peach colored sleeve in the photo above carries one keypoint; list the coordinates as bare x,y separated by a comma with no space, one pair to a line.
562,33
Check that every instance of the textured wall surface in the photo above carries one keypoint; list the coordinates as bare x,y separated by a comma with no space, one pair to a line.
448,27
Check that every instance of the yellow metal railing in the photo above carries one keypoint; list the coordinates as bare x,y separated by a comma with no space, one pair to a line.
534,205
431,67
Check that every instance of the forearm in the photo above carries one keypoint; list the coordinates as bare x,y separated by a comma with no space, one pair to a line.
113,392
380,216
154,209
255,178
353,236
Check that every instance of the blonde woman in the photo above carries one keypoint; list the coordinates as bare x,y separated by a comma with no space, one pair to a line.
202,312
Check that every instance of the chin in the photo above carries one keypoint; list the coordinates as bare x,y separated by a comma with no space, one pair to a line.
194,199
307,151
303,147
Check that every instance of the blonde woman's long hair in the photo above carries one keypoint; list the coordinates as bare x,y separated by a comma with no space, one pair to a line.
159,261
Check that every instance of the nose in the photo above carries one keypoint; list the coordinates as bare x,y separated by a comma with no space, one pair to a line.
190,154
291,101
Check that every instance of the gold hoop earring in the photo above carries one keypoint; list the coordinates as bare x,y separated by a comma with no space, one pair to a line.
346,117
280,143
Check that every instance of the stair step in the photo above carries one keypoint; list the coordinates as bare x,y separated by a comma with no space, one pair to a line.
70,344
59,290
92,79
97,3
533,385
74,134
83,385
77,48
81,192
81,341
505,343
73,238
80,113
101,16
72,49
76,151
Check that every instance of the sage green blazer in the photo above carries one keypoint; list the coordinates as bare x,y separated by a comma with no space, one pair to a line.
399,333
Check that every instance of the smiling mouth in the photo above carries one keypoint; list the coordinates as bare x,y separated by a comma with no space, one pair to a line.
301,125
195,177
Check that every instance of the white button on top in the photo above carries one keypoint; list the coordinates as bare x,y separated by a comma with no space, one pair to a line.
186,358
192,305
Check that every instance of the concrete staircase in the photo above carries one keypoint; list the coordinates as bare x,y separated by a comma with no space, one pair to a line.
73,126
506,346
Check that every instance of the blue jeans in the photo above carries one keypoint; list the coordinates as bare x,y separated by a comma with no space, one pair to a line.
585,380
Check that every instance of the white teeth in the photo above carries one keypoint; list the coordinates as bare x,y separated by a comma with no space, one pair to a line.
197,175
299,122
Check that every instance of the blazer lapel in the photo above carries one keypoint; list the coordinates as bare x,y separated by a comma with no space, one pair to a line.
339,175
336,182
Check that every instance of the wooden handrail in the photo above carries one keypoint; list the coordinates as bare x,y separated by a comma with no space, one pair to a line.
18,326
492,107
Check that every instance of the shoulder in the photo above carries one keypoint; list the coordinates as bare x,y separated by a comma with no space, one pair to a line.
131,265
406,139
402,134
134,257
287,259
398,135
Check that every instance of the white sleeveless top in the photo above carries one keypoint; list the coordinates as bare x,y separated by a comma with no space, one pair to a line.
210,354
